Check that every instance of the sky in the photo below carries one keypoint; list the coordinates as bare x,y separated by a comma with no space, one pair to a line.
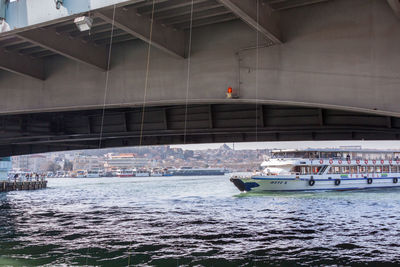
297,145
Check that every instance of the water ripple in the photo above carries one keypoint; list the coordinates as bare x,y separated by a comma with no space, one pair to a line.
194,222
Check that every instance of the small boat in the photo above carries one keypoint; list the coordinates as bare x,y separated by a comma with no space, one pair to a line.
125,173
189,171
324,169
81,174
93,174
142,173
156,173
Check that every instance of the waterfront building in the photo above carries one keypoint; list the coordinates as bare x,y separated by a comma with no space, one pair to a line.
124,161
20,162
5,167
34,163
87,163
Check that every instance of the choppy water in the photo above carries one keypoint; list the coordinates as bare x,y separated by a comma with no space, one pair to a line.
170,221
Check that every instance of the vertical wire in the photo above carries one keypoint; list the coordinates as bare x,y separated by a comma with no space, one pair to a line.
145,92
90,27
257,66
188,73
105,91
107,78
146,81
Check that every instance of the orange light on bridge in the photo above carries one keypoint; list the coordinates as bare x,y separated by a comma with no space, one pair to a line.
229,93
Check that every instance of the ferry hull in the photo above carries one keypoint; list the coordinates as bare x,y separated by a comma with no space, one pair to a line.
142,174
262,184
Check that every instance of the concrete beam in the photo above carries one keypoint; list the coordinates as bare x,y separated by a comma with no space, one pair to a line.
395,5
62,44
267,22
21,64
164,38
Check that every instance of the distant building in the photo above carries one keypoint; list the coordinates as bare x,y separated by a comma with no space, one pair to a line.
34,163
20,162
5,167
124,161
87,163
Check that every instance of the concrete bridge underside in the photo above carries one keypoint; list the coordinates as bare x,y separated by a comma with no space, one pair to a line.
43,132
321,70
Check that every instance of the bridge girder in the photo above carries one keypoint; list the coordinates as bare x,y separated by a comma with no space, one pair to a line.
395,5
75,130
164,38
21,64
64,45
132,20
258,15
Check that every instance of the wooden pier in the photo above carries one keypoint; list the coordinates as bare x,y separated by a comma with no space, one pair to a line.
6,186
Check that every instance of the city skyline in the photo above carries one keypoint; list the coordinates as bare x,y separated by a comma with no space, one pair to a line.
294,145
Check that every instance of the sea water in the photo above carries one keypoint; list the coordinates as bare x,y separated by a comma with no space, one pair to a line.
186,221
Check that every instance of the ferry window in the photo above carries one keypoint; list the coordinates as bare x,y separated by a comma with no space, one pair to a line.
296,169
371,169
353,169
378,169
316,170
363,169
393,168
385,168
334,169
299,155
345,169
304,170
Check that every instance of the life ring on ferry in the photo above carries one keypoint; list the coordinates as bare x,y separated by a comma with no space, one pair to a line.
358,161
369,181
337,181
395,180
397,161
374,161
382,161
321,161
390,162
330,161
340,161
311,182
366,161
349,162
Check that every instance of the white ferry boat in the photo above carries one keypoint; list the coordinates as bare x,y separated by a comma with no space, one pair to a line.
93,174
81,174
125,173
324,169
141,173
156,172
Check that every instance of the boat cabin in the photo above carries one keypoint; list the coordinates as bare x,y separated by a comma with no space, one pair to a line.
343,162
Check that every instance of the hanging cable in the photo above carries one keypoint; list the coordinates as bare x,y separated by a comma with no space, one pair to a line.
145,93
146,81
107,76
188,73
257,66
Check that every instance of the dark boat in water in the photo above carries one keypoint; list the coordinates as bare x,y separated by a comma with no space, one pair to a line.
189,171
